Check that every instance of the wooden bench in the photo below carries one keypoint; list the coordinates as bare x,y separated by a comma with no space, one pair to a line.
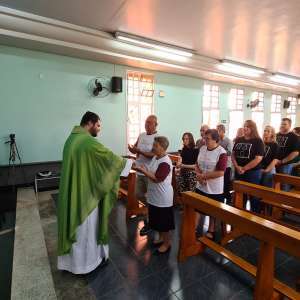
278,179
277,199
270,235
134,207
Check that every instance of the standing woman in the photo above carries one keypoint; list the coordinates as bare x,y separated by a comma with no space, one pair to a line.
210,168
248,152
187,176
270,157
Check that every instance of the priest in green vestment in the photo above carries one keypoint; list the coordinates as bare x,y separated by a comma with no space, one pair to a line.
87,193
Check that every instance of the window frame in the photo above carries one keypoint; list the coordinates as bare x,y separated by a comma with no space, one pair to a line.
138,101
213,95
238,107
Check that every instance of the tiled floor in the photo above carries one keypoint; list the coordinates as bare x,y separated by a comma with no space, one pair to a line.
7,235
135,273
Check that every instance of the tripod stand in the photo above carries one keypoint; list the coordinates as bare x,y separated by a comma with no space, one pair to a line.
13,154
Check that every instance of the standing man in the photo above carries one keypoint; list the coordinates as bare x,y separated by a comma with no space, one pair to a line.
201,141
288,143
226,143
143,149
87,192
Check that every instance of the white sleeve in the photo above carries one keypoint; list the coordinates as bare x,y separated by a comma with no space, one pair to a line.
127,168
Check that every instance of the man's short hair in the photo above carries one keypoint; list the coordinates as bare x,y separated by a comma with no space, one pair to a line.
89,117
153,117
297,130
287,120
221,127
162,141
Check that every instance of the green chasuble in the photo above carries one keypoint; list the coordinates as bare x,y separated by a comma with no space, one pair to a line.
89,179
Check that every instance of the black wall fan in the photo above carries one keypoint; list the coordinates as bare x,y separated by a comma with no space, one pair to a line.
99,87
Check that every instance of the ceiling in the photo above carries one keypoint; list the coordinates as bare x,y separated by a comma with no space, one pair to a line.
264,33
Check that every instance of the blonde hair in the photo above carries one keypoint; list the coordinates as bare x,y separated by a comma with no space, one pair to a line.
273,133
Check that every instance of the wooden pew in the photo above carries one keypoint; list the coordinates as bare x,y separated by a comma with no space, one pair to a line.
175,158
127,188
278,179
270,235
276,198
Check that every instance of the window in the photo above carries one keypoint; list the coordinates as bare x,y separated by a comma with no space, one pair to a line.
291,111
258,111
210,104
236,115
140,88
276,111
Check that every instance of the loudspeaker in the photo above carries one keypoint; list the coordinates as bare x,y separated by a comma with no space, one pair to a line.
286,104
116,84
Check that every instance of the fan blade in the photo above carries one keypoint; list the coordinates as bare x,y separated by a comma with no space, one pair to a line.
95,92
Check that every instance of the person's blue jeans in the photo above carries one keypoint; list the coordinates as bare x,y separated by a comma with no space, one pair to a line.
285,169
267,178
251,176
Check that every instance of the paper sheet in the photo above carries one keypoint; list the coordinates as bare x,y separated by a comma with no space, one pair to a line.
127,168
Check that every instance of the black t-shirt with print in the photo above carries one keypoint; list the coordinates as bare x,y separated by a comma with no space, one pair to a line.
189,155
271,153
245,150
287,143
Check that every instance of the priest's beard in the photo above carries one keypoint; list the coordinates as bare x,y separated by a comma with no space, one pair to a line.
93,132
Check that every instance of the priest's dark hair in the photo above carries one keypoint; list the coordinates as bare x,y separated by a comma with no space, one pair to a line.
89,117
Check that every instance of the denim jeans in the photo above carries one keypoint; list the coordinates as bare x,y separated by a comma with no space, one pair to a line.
267,178
251,176
285,169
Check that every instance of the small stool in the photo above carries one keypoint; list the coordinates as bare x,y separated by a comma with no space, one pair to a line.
39,178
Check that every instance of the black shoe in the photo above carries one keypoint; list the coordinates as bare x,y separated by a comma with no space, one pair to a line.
145,230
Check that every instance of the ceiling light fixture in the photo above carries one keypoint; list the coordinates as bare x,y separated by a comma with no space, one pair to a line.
241,69
289,80
152,44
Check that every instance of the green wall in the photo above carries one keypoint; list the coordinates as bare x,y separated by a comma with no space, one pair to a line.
42,96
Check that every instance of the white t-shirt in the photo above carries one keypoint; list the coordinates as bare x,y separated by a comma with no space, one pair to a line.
145,144
161,193
207,162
